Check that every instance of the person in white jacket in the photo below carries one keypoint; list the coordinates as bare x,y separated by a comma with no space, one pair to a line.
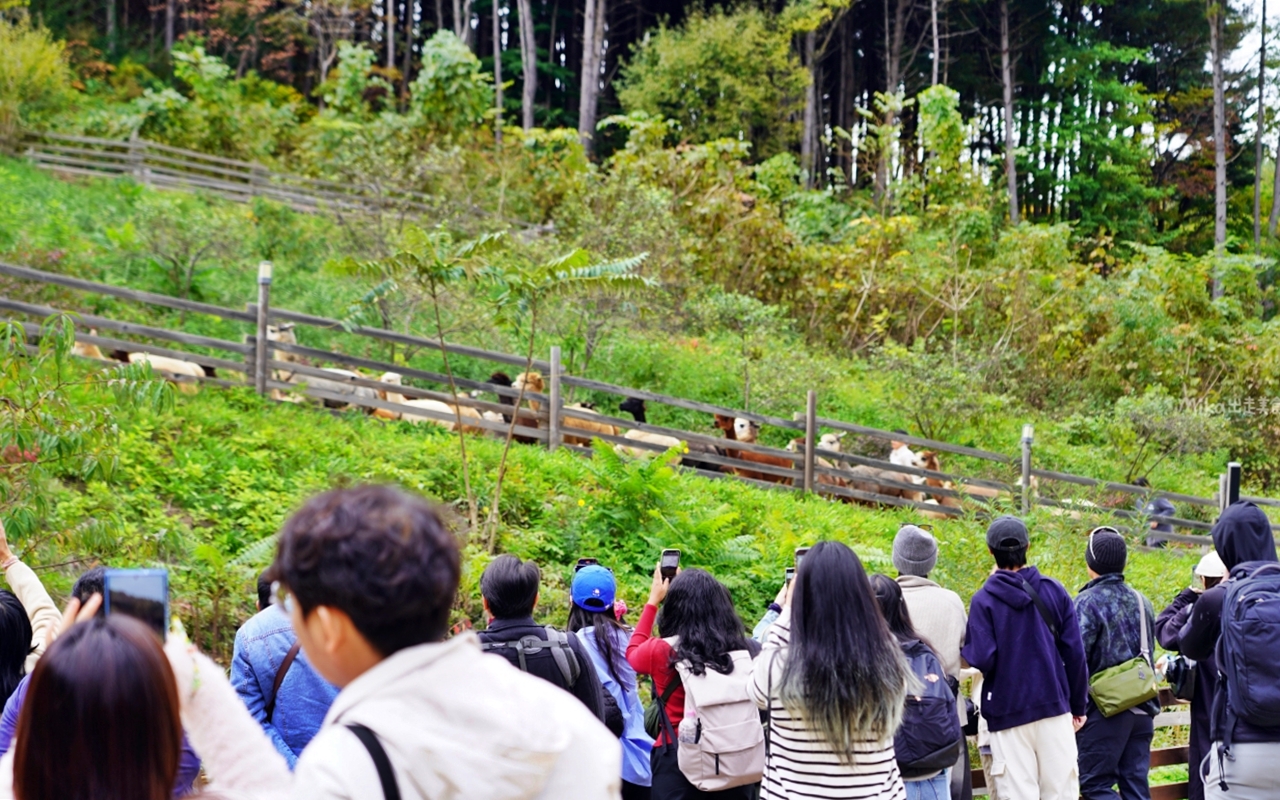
40,609
368,576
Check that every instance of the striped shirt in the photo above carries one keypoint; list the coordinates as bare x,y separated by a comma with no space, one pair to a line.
800,763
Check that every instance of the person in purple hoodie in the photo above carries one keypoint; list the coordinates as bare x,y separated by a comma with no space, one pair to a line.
1024,637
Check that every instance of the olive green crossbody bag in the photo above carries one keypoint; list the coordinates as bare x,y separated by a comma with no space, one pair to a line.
1131,683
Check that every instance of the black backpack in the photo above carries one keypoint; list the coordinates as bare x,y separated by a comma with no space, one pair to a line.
929,739
556,641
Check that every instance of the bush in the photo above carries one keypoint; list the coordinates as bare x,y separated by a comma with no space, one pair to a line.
35,81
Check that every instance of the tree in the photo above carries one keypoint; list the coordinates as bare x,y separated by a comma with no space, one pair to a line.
529,65
1215,16
522,290
1006,84
34,79
589,89
721,76
1259,152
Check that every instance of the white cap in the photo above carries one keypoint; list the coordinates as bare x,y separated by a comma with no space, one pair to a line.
1211,566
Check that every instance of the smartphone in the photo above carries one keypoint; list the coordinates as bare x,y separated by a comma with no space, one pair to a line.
789,575
800,551
670,561
139,593
586,562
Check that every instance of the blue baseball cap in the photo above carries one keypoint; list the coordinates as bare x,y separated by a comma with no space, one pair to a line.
594,588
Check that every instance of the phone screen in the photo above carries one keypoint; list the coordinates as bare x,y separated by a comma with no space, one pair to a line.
790,574
800,551
670,561
139,593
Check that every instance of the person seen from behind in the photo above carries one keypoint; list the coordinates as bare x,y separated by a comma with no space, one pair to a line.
82,591
928,742
510,590
1158,507
833,680
938,618
275,681
1169,624
700,628
1244,757
27,615
594,620
105,713
1035,685
368,577
1114,750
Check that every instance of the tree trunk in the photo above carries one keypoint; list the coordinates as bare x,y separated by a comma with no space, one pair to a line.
497,73
937,50
589,95
408,48
529,64
111,27
1219,137
170,17
439,15
807,161
389,28
1275,193
1006,77
462,21
1259,153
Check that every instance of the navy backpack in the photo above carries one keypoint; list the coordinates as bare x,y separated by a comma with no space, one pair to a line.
1248,647
929,739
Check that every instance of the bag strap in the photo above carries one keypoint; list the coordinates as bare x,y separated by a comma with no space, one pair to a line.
563,654
662,706
387,776
1040,606
280,673
768,711
1142,628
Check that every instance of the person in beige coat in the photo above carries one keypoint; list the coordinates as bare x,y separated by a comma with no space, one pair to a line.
41,610
938,616
368,577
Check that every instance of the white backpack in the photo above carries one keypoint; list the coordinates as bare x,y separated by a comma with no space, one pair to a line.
721,738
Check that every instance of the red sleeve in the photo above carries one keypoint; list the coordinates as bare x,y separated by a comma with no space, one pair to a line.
645,654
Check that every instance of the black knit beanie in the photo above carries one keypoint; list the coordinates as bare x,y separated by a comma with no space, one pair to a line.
1106,553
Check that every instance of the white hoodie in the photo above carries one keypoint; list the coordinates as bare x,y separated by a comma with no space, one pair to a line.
459,724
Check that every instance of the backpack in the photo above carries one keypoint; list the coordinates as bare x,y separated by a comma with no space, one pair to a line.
1248,647
721,740
929,738
557,642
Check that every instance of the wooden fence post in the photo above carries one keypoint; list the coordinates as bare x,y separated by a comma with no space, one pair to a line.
262,347
553,423
137,159
1230,492
1028,433
810,437
258,177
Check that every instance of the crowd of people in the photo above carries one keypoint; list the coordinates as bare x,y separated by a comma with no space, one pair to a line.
348,684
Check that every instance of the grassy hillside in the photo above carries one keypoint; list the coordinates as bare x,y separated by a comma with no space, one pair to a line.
691,345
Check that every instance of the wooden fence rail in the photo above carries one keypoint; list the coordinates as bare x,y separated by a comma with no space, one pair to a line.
809,469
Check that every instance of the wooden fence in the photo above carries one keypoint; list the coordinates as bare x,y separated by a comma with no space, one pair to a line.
556,424
165,167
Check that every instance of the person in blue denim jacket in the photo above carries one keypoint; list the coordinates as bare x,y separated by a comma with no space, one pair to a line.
304,697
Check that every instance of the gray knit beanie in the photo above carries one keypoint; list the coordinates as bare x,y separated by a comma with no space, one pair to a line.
915,551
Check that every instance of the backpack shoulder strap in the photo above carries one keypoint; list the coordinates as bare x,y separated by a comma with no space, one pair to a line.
387,776
280,673
566,660
1142,627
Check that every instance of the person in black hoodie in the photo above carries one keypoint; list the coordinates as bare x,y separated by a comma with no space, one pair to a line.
1209,573
510,590
1242,537
1035,680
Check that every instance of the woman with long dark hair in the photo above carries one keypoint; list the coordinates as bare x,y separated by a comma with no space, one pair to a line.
698,625
15,643
931,720
592,618
833,680
101,720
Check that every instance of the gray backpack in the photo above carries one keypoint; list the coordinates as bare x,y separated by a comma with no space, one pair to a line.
557,642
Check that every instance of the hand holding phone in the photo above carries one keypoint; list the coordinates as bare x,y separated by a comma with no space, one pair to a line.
585,562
